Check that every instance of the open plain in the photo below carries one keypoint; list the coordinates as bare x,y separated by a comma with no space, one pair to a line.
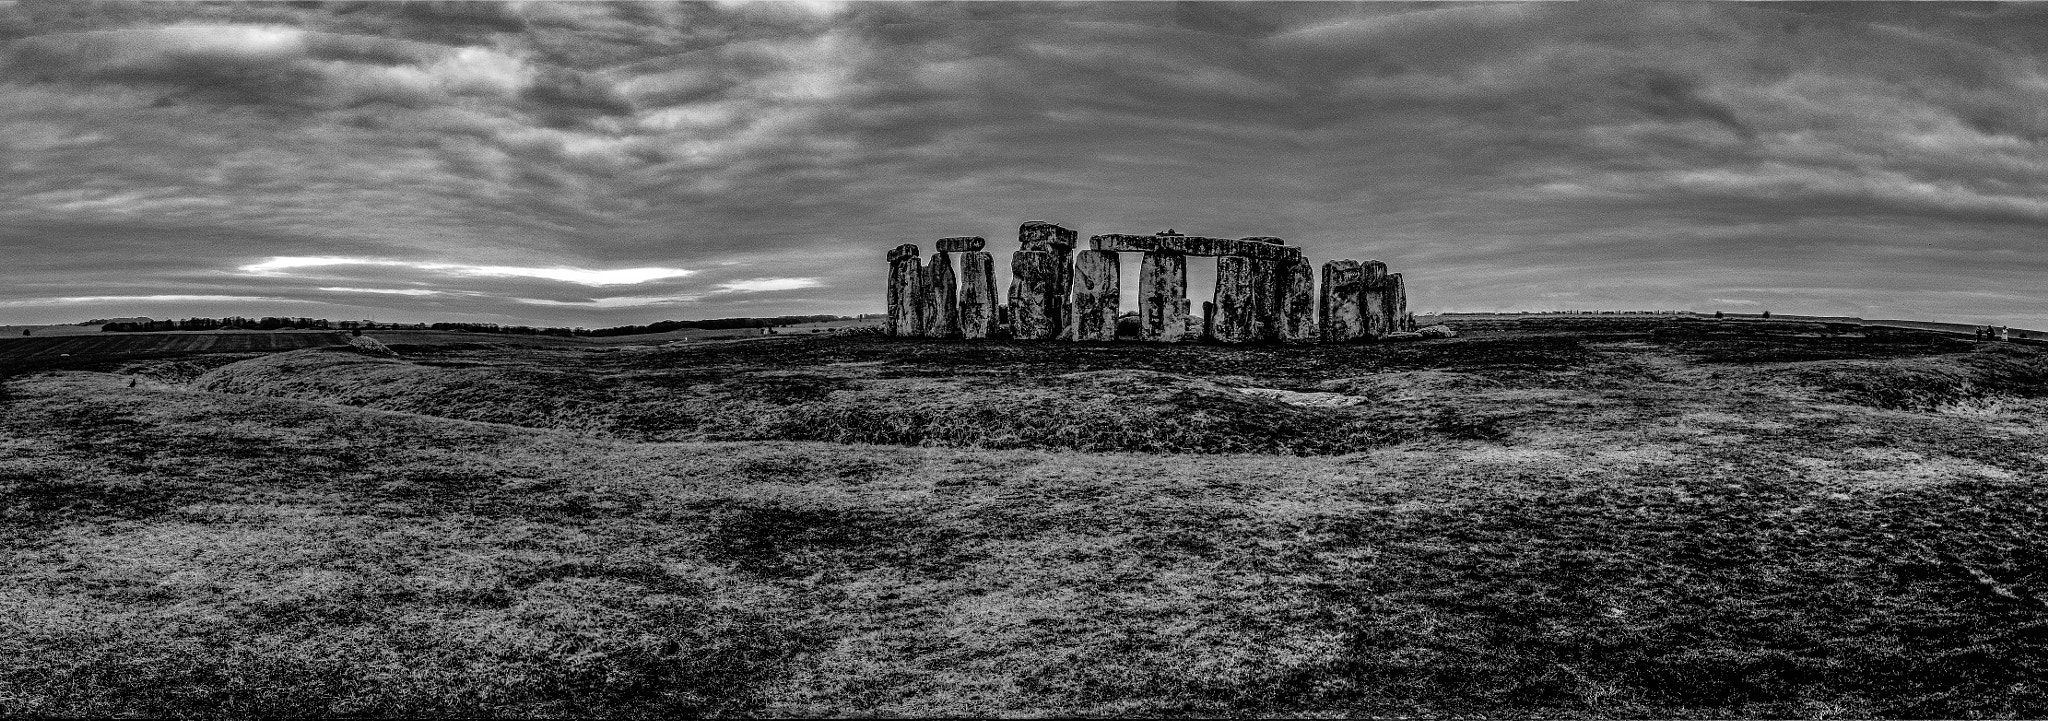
1653,517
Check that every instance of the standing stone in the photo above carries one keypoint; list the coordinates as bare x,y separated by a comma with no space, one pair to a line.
905,303
1268,276
942,307
1297,315
1265,299
1397,303
1034,307
1208,320
1162,297
1096,291
1237,300
1059,241
977,294
1373,301
1343,318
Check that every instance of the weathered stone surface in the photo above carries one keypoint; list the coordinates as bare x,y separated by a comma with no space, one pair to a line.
1236,300
962,244
1403,335
1265,299
1096,290
1343,318
1264,239
1397,304
977,294
1041,235
1297,313
1437,331
906,250
1162,297
1373,299
1059,241
1034,307
942,309
1193,245
923,298
1208,320
906,303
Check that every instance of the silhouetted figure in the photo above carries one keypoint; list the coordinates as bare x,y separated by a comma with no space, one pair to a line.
356,332
1717,315
24,331
1767,315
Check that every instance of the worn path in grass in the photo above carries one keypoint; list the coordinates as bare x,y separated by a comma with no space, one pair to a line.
1649,525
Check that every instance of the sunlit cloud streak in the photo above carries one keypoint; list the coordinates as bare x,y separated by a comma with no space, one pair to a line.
160,298
387,291
756,285
613,302
582,276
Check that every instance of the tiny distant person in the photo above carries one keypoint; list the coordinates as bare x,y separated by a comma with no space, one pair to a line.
356,332
24,331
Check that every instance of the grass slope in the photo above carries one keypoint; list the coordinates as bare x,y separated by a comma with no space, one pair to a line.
1656,525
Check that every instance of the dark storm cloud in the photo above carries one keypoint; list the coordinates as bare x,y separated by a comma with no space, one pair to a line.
1660,155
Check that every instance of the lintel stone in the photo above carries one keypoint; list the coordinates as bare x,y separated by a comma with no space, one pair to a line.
962,244
1193,245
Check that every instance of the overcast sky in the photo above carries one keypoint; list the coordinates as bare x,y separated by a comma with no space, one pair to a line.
585,163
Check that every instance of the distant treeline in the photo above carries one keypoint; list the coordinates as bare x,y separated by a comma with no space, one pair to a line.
138,325
716,324
230,322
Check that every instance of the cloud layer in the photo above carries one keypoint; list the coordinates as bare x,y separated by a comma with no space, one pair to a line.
606,163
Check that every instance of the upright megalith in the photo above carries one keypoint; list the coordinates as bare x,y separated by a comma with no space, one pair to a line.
1163,297
1096,291
1051,238
942,298
1397,303
1373,299
1343,317
905,301
1237,300
977,294
1296,316
1034,299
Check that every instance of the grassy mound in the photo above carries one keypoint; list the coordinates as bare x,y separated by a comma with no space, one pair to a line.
1925,384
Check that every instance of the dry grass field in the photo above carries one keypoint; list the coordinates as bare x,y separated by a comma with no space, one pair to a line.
1659,517
112,346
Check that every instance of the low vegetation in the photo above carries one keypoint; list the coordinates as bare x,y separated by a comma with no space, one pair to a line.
1675,523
